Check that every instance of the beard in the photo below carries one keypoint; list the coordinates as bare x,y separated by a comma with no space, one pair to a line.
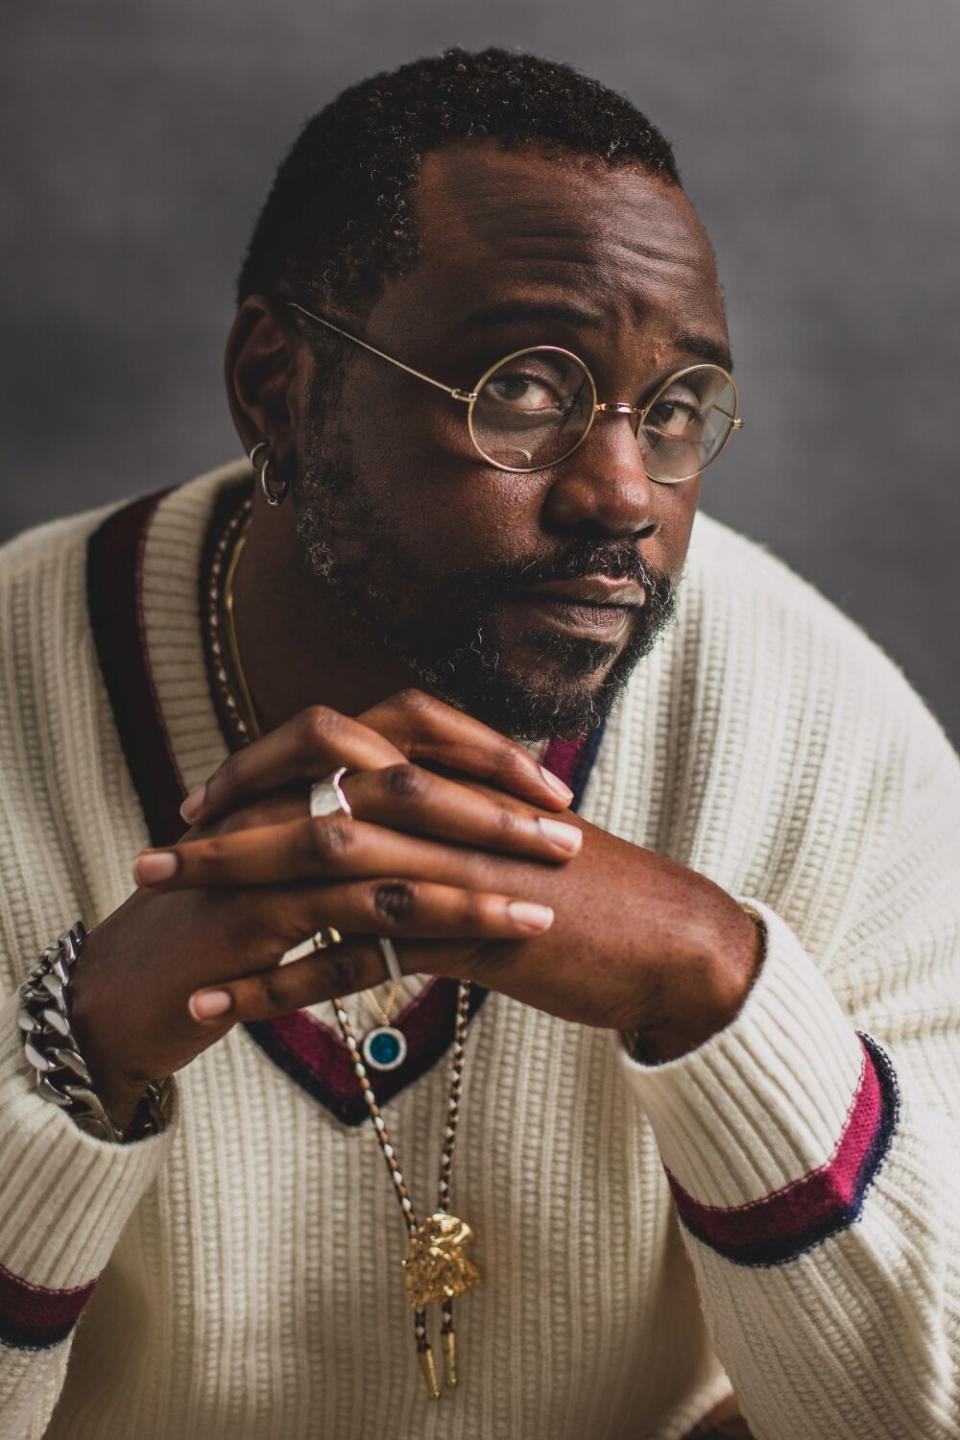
447,628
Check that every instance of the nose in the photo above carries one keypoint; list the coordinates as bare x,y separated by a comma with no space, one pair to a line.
603,487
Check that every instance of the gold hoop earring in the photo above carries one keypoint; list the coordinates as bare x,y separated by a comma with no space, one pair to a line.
272,497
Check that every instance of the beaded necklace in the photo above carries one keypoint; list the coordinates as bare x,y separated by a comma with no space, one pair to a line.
436,1267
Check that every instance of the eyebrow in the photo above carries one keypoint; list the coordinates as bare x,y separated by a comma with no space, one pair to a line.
510,312
704,348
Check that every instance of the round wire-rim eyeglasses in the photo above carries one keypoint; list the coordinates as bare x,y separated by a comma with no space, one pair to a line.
637,413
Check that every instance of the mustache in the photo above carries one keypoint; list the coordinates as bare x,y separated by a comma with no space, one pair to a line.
618,559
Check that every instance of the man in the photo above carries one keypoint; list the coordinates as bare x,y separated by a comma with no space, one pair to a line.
678,1034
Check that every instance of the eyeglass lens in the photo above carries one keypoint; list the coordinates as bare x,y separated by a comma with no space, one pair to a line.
532,409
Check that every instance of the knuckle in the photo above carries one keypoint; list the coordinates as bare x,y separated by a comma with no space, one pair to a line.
465,911
476,912
317,723
226,776
413,699
404,782
270,990
510,759
327,837
344,970
208,853
393,900
507,821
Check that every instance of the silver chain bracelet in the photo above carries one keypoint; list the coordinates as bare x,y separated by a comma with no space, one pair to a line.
51,1049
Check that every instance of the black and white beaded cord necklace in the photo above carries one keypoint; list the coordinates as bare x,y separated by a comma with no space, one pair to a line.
436,1267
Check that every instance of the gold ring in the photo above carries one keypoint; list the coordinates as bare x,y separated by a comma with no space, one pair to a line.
326,937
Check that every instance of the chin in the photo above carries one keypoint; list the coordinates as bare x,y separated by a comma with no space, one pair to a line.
534,683
528,702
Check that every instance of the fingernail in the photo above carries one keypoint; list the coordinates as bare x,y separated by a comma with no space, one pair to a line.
208,1004
193,804
155,866
556,784
565,837
530,917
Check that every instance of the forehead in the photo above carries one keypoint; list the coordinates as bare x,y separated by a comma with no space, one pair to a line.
497,224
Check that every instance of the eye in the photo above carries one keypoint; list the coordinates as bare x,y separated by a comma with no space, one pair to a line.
523,392
676,415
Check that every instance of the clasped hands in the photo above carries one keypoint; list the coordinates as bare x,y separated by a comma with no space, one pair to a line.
465,874
462,849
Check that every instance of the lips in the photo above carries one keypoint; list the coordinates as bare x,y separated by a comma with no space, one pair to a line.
596,607
592,590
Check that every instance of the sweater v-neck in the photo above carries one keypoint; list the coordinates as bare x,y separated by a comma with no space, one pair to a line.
145,567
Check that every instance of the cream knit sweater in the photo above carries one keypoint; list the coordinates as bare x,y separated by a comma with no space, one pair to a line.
779,1206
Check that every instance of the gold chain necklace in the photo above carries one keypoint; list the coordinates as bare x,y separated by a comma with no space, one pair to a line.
436,1266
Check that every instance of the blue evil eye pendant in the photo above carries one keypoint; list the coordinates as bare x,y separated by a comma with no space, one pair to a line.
384,1047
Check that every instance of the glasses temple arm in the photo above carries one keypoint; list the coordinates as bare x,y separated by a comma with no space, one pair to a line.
452,390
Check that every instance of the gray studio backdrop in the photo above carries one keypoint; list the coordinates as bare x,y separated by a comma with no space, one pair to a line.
820,142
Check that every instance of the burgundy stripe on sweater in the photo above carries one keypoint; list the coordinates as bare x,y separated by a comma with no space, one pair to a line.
781,1226
34,1318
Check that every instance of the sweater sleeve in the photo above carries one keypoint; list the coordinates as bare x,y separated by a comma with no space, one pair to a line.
64,1200
813,1146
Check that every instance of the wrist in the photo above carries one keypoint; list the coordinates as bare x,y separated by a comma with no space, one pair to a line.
121,1103
115,1110
711,992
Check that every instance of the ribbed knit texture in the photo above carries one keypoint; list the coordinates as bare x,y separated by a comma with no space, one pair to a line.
248,1258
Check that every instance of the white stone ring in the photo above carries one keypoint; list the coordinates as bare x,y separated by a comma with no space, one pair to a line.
327,797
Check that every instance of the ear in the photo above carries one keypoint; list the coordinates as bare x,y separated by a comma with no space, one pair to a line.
261,370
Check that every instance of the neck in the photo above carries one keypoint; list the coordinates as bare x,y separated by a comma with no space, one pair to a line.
296,647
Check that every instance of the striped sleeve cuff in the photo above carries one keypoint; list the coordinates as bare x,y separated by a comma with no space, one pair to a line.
773,1130
64,1200
37,1317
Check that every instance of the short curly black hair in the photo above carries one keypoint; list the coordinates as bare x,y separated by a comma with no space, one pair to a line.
339,216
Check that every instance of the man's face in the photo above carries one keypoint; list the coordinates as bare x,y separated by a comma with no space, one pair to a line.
478,577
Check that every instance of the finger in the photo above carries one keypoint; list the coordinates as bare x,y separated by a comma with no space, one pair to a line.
402,906
391,906
415,801
426,729
266,994
313,848
305,748
404,798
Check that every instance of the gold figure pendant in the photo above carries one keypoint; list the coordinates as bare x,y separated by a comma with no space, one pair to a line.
436,1266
